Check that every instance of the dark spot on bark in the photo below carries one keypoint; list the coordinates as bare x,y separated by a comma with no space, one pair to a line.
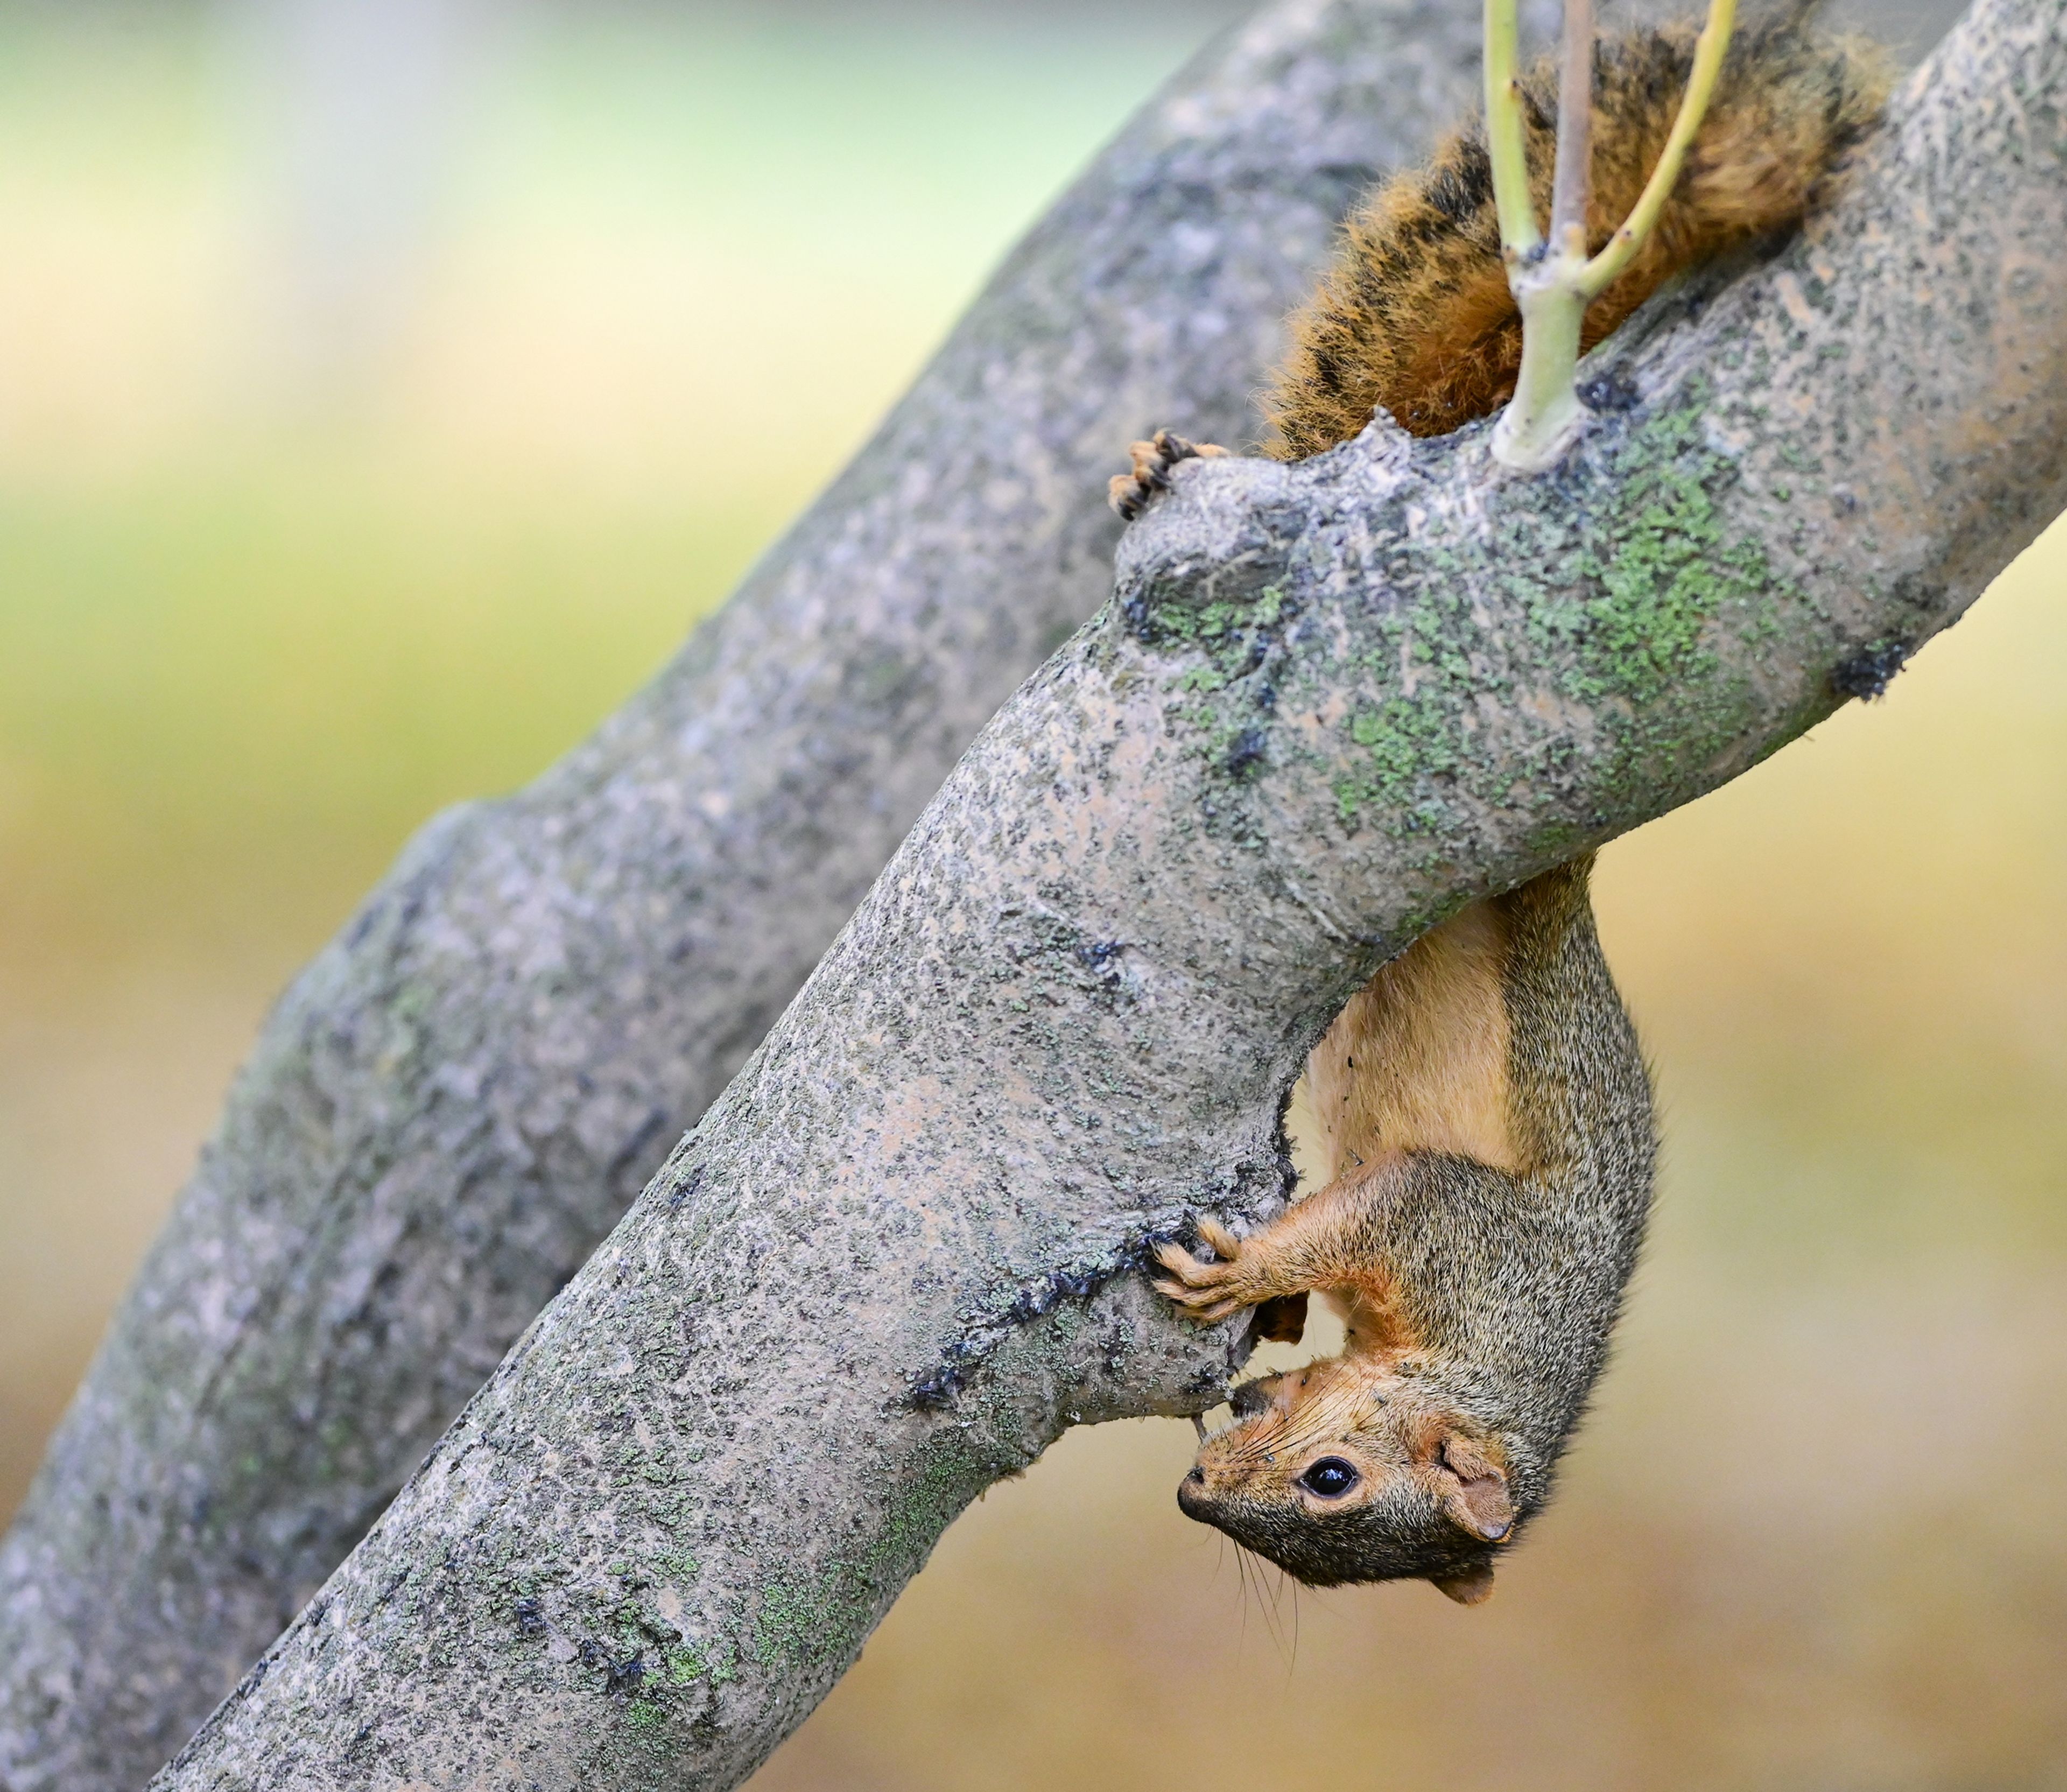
1245,754
1867,673
686,1189
1101,958
626,1675
254,1679
1116,1343
937,1387
1611,391
1099,954
1144,1257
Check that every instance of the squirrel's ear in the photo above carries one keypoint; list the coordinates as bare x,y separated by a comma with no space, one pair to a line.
1473,1586
1475,1494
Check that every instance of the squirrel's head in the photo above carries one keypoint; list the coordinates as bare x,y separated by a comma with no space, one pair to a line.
1346,1470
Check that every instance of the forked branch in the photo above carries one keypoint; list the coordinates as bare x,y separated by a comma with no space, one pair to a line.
1554,281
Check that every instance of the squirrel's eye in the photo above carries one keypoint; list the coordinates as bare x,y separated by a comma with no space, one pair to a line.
1330,1477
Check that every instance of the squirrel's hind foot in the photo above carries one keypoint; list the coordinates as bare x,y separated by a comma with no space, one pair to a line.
1129,493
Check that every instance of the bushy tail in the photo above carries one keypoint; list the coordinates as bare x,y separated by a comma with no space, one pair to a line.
1415,314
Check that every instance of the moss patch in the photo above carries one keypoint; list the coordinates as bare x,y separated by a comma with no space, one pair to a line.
1627,584
822,1619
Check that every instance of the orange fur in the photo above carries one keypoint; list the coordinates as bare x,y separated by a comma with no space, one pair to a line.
1417,1060
1415,315
1311,1248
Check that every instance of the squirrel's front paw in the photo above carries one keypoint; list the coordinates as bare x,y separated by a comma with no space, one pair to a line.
1129,493
1210,1292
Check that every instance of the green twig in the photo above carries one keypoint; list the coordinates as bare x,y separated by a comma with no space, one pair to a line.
1553,283
1708,52
1505,139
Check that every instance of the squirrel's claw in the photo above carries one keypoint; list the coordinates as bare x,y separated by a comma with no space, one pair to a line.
1182,1264
1129,493
1223,1241
1207,1306
1207,1292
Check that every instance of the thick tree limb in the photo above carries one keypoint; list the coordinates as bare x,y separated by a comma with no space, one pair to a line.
460,1097
1329,702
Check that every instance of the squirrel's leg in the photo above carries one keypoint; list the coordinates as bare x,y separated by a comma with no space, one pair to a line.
1329,1243
1129,493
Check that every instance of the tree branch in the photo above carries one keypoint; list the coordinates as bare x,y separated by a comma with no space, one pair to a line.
454,1104
1329,702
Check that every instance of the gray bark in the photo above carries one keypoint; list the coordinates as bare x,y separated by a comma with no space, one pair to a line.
462,1094
1327,703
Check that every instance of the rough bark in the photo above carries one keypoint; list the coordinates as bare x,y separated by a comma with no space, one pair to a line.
1327,703
460,1096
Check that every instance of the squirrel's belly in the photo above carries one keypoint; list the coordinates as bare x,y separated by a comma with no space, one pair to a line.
1417,1060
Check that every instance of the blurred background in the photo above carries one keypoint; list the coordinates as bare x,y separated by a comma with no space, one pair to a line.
386,386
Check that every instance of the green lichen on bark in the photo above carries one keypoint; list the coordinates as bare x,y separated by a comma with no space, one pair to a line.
1220,625
791,1620
1658,570
1627,597
1629,584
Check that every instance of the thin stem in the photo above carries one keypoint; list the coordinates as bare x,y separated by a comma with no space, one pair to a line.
1575,132
1505,139
1708,52
1544,414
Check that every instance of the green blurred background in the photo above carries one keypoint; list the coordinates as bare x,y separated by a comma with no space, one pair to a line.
385,390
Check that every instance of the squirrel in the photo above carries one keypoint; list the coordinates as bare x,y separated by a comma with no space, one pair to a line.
1488,1118
1486,1107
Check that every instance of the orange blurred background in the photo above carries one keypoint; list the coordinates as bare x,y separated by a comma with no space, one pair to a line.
336,486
